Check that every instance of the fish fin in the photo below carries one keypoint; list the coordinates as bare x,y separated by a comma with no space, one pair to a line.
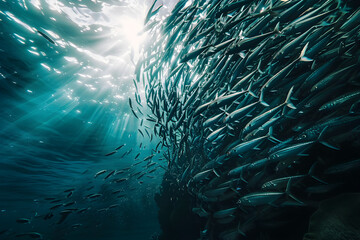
242,177
261,100
256,148
313,65
287,101
277,28
319,139
249,67
253,94
303,58
230,127
149,14
288,192
326,144
216,173
296,199
319,180
312,175
271,137
241,232
258,68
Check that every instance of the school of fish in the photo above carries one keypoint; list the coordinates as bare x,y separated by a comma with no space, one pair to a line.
68,206
258,106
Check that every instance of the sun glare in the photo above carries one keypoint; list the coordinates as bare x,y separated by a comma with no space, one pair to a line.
131,30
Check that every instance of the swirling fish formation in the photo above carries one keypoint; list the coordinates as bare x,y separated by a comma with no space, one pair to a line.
258,105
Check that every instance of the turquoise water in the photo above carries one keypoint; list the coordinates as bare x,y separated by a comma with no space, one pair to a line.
66,73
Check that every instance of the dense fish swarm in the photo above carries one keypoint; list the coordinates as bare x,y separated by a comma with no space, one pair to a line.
258,104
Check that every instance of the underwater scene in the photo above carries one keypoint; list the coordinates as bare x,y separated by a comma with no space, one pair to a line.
180,119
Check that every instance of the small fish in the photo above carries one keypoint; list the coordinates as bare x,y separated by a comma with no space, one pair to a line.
48,216
35,235
46,37
69,204
64,214
23,220
120,180
49,198
82,210
149,157
69,190
152,170
119,147
256,199
136,163
56,206
141,175
76,225
109,175
141,132
110,153
95,195
117,191
224,213
151,12
130,103
99,173
102,210
69,194
134,113
113,206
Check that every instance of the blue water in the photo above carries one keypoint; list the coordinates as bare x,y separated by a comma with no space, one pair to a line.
64,105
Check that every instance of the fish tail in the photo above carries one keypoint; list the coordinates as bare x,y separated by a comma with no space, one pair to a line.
292,196
251,92
258,68
277,28
312,175
321,140
261,100
303,58
271,136
288,102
